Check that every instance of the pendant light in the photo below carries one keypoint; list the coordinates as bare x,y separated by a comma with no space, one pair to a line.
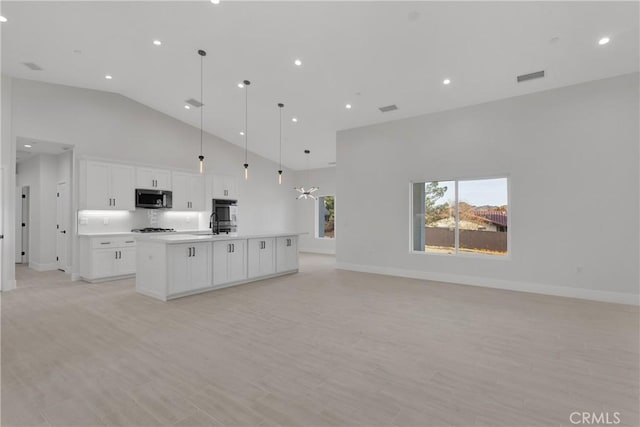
246,127
280,106
202,54
306,193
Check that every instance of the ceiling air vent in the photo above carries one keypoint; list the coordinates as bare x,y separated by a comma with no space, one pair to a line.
32,66
524,77
388,108
194,103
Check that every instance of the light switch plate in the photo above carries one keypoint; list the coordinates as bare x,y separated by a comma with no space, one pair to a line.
84,220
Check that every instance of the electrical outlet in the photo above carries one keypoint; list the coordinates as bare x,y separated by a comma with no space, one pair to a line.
84,220
188,219
105,220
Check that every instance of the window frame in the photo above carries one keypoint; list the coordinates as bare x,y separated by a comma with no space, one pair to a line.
316,215
457,253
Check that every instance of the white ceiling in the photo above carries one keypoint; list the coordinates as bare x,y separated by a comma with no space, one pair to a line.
28,148
369,54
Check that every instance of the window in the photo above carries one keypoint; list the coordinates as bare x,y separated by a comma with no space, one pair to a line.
326,217
464,216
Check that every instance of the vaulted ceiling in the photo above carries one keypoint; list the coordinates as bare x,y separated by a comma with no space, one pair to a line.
367,54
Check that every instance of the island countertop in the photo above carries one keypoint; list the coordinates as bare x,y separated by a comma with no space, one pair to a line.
168,238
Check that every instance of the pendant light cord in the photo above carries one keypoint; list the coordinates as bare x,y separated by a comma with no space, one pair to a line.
246,120
201,100
280,158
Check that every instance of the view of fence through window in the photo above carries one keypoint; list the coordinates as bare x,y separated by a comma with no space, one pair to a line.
326,217
469,216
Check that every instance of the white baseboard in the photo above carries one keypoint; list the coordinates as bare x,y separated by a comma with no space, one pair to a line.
43,267
318,251
536,288
9,285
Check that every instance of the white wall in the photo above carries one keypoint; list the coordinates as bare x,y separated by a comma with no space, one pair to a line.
112,127
324,178
572,157
7,166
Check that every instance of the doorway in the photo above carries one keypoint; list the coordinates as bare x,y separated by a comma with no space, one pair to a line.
63,208
22,225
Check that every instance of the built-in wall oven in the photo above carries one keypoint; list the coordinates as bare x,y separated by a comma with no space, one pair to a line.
224,216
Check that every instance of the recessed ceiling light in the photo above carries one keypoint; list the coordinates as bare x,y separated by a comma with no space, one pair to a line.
297,62
108,77
27,146
3,19
242,133
604,41
446,81
348,106
294,119
187,107
240,85
157,42
215,1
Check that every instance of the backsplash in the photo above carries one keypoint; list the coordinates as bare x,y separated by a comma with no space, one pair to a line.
125,221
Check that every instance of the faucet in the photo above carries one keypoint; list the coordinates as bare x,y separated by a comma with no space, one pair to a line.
211,219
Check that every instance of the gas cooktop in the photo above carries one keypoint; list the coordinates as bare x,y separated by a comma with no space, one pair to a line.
153,230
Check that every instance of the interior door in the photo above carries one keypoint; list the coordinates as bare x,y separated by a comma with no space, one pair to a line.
62,225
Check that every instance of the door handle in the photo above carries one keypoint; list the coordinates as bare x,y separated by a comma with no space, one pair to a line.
194,251
119,254
64,231
114,202
233,247
188,252
228,248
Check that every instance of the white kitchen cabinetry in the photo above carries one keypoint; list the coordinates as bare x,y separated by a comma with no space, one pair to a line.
156,179
106,186
261,257
189,267
224,187
286,253
229,262
106,258
188,192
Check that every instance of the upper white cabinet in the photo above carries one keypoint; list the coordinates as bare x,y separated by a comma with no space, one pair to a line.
261,257
188,192
224,187
157,179
286,253
106,186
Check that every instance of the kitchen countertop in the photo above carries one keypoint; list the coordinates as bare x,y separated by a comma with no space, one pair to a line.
131,233
173,238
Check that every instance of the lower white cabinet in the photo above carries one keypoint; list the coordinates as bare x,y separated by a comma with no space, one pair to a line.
261,258
229,262
106,258
189,267
286,253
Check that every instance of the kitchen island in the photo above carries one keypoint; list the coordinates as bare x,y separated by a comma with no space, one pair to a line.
177,265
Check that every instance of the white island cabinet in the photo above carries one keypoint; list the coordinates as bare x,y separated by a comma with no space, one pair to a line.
172,266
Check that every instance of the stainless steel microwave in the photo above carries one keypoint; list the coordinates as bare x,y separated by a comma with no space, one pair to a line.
153,199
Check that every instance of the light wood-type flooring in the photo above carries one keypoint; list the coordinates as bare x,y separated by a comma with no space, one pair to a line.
323,347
